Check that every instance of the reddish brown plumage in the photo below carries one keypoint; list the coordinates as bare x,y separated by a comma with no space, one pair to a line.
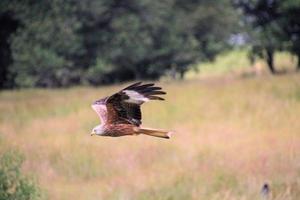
120,113
116,130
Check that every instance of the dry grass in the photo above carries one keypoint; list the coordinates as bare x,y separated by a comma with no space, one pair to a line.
232,135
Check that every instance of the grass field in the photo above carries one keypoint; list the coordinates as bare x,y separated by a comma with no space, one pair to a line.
232,136
236,62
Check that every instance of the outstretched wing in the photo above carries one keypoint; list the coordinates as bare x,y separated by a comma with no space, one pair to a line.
124,106
100,108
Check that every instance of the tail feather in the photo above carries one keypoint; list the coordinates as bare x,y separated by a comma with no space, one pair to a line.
155,132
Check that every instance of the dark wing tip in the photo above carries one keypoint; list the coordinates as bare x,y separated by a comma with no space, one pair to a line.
130,87
156,98
149,90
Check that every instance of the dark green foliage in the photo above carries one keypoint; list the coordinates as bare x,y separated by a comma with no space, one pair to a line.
144,39
44,44
291,26
276,27
8,25
65,42
14,185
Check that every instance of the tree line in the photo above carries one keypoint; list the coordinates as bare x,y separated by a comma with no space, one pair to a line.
58,43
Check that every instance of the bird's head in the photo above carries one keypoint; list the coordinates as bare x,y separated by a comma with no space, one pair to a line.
98,130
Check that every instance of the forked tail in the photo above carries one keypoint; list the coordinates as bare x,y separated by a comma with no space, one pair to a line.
155,132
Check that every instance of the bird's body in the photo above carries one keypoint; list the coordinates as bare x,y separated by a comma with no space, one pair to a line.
121,115
117,130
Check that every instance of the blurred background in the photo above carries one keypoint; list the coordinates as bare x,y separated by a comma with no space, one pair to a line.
229,68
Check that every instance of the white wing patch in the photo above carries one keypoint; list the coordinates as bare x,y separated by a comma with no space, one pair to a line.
101,111
135,97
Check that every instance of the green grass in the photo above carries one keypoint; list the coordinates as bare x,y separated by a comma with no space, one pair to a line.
237,62
232,135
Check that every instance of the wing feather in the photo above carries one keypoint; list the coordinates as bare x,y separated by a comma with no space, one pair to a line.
124,106
100,108
132,86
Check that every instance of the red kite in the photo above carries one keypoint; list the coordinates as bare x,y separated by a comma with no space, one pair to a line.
120,113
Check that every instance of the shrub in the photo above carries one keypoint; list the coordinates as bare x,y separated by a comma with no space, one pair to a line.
13,184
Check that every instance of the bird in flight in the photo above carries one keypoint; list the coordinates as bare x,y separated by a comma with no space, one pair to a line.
120,113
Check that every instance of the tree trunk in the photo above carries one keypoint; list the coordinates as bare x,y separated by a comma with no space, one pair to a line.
298,63
270,60
181,74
